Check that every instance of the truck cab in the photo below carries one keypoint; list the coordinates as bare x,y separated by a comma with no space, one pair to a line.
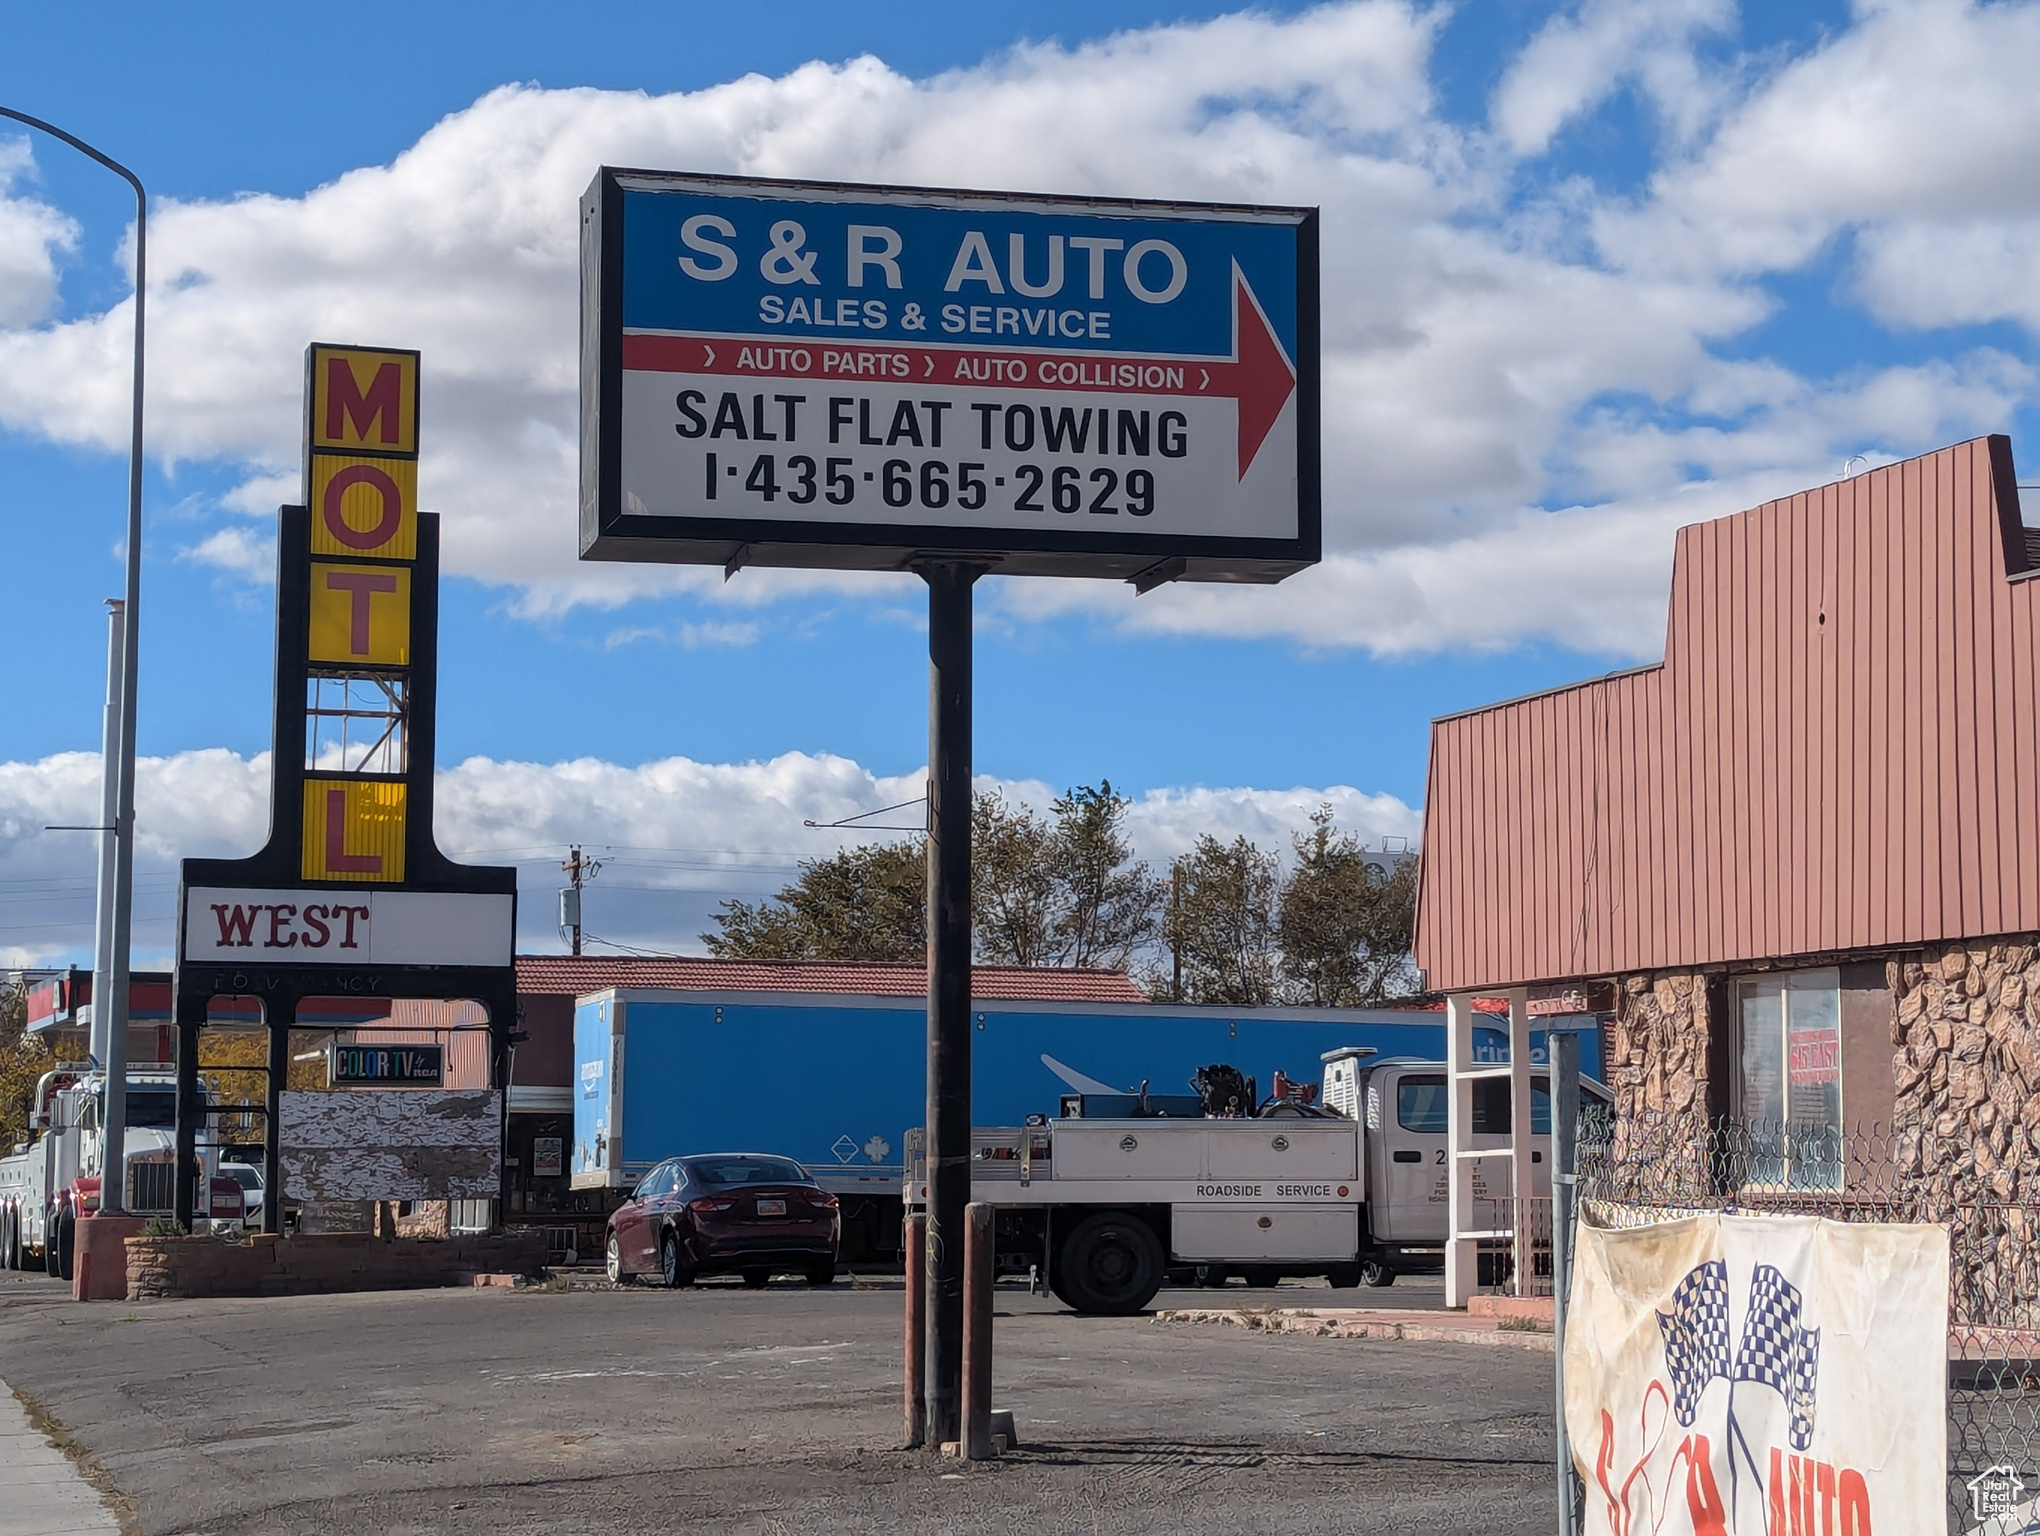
55,1177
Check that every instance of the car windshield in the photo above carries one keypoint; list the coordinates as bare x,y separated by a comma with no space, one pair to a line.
242,1175
748,1170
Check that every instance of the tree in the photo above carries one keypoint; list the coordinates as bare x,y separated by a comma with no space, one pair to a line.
1013,895
23,1061
1343,923
1059,892
861,904
1219,925
1109,907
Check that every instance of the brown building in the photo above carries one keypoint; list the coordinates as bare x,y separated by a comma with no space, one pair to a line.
1805,848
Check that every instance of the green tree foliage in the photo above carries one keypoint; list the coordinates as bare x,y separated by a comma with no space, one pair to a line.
1061,890
23,1060
864,903
1219,926
1343,923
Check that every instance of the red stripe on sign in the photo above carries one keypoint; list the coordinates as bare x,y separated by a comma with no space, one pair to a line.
1261,377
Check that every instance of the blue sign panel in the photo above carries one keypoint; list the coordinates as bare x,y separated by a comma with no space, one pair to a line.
824,375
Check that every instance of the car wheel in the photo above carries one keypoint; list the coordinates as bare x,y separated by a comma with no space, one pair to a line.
823,1273
1262,1277
1112,1264
10,1240
60,1250
672,1269
1377,1274
612,1262
754,1279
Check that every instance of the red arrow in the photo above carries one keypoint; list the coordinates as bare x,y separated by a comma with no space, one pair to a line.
1262,379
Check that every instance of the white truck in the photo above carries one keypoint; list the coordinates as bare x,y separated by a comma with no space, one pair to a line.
54,1177
1355,1191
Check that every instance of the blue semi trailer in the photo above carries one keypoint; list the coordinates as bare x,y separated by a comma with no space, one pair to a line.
836,1081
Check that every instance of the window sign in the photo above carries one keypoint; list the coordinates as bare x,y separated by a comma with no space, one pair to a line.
1789,1080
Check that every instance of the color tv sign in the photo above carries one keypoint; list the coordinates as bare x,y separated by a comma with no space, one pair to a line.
803,374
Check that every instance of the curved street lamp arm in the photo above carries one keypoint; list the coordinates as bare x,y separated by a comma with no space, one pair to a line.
114,1003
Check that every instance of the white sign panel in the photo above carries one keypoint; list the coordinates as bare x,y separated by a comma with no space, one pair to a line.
784,373
1740,1376
357,926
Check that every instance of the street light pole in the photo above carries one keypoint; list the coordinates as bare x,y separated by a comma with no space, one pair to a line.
112,1187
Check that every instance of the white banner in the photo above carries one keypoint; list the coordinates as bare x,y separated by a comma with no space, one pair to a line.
1760,1376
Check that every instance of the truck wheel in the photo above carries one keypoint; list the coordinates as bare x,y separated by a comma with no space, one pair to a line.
1111,1265
1343,1277
1377,1274
1262,1277
60,1249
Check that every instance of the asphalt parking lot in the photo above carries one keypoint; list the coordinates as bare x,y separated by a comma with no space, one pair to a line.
721,1409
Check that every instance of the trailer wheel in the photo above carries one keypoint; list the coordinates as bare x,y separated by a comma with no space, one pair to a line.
1111,1265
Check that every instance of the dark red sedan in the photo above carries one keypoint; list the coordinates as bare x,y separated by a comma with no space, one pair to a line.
723,1213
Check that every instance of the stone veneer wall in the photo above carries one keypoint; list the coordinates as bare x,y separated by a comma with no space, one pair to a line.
1967,1070
1658,1044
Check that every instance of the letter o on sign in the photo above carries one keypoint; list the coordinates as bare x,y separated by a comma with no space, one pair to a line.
386,525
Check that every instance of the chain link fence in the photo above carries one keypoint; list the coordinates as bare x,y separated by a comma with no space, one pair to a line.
1643,1168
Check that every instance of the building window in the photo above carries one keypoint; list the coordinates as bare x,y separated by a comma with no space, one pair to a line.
1789,1077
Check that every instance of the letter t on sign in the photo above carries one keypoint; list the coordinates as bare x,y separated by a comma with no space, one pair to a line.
360,586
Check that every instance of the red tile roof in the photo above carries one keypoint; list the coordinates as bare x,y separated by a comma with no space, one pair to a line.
573,975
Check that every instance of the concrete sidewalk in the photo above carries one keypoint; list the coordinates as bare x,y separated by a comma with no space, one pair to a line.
45,1494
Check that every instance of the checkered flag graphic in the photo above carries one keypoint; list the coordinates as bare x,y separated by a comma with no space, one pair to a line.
1696,1336
1777,1351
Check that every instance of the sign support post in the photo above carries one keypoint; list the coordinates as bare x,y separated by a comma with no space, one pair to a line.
949,936
1564,1050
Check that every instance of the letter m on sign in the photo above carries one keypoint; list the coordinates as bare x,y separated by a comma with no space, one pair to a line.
363,400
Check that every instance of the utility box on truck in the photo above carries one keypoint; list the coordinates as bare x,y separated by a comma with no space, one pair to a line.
834,1080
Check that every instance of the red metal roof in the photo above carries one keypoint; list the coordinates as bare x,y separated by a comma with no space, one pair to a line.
572,975
1840,751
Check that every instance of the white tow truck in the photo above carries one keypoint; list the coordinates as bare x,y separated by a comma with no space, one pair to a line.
1354,1190
54,1177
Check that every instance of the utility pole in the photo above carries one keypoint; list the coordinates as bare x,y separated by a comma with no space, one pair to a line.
579,870
1176,932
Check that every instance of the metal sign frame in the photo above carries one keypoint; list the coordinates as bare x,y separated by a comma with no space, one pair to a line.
346,839
610,531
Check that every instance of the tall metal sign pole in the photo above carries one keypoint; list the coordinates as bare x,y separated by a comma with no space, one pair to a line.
949,938
111,1004
952,383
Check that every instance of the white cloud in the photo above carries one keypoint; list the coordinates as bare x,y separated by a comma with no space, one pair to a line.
251,557
31,235
1577,61
1517,376
676,836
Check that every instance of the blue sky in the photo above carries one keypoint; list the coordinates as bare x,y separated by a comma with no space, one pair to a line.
1593,270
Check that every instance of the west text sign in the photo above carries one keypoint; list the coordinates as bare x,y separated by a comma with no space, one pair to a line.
781,373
